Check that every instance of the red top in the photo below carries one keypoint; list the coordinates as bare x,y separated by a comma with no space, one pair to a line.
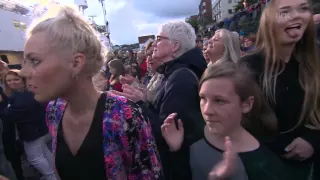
143,68
117,86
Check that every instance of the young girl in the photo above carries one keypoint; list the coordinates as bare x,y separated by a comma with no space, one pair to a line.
116,69
229,99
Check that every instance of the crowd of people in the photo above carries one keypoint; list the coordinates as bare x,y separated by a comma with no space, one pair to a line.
221,107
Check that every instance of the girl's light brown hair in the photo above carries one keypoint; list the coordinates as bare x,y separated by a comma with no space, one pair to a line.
261,120
118,66
6,89
305,53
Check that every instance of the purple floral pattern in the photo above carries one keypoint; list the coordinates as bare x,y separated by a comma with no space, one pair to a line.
130,150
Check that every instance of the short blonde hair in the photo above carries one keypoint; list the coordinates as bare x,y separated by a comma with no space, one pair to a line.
68,30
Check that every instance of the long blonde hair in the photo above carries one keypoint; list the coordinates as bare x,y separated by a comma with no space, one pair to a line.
231,44
306,54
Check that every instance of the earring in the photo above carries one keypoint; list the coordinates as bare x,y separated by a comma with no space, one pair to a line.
173,55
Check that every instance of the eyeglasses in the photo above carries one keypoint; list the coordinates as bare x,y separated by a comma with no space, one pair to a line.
159,38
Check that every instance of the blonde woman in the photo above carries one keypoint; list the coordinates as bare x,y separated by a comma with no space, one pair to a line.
287,69
95,135
223,46
204,51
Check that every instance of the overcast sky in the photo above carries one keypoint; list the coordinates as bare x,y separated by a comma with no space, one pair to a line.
129,19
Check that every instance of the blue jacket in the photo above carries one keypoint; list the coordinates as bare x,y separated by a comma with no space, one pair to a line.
27,114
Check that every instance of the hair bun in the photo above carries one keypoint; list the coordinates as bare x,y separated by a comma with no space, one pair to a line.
62,11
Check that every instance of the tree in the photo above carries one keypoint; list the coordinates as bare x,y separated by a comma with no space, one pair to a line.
194,23
240,5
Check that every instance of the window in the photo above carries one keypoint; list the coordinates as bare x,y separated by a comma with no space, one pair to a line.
230,11
229,1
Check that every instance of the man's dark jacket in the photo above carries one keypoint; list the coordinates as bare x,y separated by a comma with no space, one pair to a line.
179,94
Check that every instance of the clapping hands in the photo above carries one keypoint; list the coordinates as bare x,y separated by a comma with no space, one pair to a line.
226,168
134,94
128,79
172,135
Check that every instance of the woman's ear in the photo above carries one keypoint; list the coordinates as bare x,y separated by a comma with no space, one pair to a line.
247,104
78,63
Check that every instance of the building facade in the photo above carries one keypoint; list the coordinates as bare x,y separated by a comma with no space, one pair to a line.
192,18
205,12
143,40
14,21
222,9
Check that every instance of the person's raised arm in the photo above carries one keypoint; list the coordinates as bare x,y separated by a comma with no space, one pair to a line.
172,134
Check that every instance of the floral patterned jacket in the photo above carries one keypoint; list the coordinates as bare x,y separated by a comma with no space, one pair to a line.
130,150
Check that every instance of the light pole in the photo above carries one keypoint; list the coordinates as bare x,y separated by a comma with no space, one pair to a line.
107,31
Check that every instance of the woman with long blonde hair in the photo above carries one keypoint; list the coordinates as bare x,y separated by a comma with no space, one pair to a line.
223,46
287,68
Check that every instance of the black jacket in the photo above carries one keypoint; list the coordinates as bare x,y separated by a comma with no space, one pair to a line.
289,96
27,114
179,94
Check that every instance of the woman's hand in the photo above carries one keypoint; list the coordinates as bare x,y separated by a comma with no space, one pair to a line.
3,68
299,149
131,93
227,167
172,135
127,79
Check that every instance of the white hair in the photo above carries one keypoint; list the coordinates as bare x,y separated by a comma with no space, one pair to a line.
182,32
231,44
